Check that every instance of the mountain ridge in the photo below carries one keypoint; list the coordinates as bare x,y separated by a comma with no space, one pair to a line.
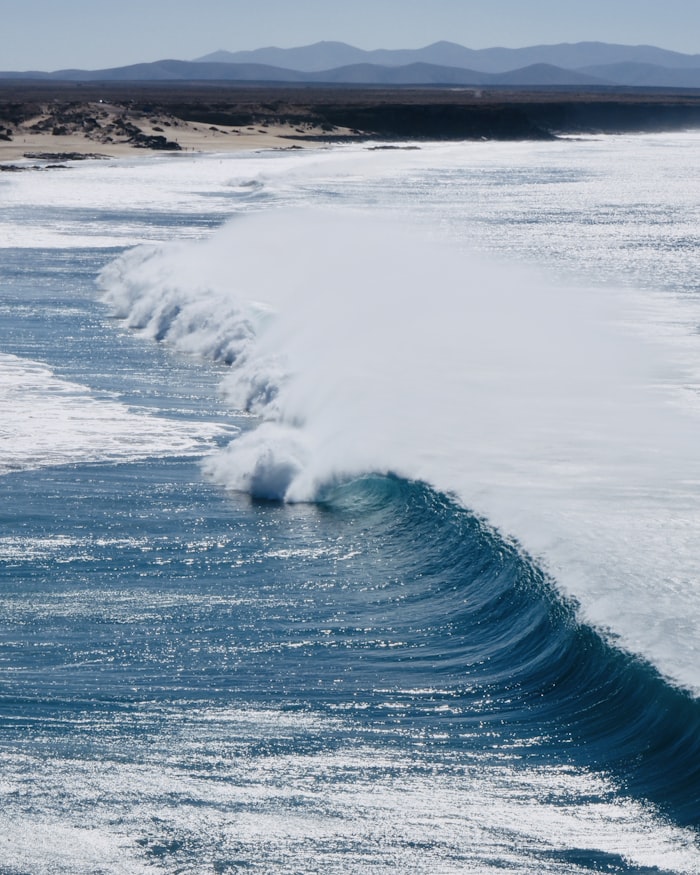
417,73
586,64
326,55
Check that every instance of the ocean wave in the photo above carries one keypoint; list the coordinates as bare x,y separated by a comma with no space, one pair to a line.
476,625
363,347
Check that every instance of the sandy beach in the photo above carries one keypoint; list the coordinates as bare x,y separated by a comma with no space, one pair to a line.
54,122
100,130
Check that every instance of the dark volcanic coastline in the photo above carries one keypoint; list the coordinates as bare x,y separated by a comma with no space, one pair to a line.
337,113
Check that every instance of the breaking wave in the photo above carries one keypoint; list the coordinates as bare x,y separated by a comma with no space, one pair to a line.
362,347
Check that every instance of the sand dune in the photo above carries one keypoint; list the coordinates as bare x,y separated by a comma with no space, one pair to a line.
99,129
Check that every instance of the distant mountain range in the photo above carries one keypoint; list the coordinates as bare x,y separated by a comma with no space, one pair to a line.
324,56
590,64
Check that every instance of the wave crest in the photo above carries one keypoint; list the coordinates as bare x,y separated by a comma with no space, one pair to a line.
263,463
366,348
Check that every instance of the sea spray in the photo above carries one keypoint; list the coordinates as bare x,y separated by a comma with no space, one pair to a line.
365,347
197,681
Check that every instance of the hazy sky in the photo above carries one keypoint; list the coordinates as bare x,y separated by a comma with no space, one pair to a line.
54,34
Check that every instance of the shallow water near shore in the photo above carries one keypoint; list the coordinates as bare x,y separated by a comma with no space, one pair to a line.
472,644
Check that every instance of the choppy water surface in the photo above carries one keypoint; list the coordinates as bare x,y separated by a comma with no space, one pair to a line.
473,645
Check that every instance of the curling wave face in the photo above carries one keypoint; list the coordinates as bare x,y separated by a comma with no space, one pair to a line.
484,633
364,348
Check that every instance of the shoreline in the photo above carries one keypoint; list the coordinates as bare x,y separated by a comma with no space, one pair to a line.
28,148
64,121
31,141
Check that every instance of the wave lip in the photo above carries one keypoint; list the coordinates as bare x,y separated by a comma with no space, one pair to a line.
263,463
365,347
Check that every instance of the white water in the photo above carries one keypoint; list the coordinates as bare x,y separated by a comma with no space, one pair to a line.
561,408
46,420
352,810
556,412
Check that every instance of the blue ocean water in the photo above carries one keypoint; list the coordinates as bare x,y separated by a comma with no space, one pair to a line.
332,547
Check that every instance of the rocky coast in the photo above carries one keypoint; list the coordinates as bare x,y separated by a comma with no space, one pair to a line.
62,120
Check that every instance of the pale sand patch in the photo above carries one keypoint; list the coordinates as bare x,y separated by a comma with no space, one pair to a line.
203,138
22,144
191,137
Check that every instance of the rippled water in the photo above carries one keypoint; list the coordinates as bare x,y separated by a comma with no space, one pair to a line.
196,680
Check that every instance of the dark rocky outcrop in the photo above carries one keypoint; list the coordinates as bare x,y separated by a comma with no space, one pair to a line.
62,118
139,113
154,141
438,122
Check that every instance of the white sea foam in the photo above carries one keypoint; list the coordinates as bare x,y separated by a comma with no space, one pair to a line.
148,198
333,809
46,420
369,349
